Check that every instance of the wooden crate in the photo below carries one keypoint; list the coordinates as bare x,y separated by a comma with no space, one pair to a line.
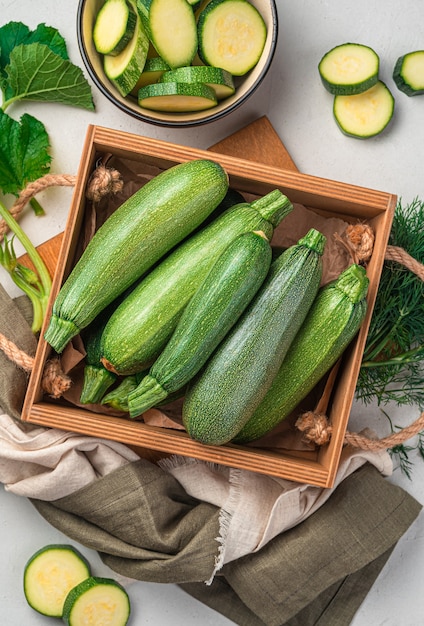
324,197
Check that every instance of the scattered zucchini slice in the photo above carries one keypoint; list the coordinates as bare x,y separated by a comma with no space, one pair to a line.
232,35
220,80
408,73
177,97
50,574
114,27
97,601
171,27
365,114
124,69
349,69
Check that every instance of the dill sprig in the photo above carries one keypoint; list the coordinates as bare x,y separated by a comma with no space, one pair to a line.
392,369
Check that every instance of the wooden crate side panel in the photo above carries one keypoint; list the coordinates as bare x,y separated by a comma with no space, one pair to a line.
177,442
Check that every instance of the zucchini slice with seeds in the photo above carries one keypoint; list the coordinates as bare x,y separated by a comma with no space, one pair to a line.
124,69
177,97
349,69
49,576
220,80
366,114
97,601
114,27
171,27
232,35
408,73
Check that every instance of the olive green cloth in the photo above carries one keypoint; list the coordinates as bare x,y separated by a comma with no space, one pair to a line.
15,317
145,526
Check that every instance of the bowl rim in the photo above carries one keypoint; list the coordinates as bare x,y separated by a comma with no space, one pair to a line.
145,117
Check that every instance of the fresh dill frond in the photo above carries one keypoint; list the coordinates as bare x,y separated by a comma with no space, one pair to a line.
392,368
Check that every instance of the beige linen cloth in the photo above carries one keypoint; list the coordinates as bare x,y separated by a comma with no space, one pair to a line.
49,463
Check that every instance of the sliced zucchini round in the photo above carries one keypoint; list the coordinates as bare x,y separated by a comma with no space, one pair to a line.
408,73
124,69
365,114
349,69
171,26
177,97
220,80
114,27
232,35
49,576
97,601
152,73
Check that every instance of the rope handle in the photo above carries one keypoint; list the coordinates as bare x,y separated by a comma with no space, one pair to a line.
357,239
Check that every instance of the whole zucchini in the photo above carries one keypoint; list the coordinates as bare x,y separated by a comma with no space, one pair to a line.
96,378
146,226
332,322
224,395
215,307
141,326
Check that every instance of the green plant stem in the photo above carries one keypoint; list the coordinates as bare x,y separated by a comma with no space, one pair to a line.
38,301
414,355
45,280
37,208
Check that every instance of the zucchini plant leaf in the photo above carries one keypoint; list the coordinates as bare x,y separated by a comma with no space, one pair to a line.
15,33
50,37
35,72
24,152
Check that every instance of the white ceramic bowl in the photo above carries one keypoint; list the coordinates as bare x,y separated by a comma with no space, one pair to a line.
245,86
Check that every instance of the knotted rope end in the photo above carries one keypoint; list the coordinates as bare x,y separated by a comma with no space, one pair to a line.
315,428
103,181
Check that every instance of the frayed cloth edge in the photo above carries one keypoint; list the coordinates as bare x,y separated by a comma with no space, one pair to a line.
226,512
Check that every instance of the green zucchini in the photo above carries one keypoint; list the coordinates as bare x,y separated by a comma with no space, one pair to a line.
408,73
124,69
141,326
145,227
218,79
177,97
232,35
117,398
172,29
98,602
221,298
349,69
366,114
332,322
223,396
114,26
50,574
96,378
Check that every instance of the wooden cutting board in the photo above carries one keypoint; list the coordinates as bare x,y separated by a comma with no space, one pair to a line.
258,141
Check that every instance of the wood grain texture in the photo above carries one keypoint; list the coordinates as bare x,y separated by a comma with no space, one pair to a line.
258,141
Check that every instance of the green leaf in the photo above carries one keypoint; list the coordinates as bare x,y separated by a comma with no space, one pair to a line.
37,73
24,155
50,37
11,35
15,33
